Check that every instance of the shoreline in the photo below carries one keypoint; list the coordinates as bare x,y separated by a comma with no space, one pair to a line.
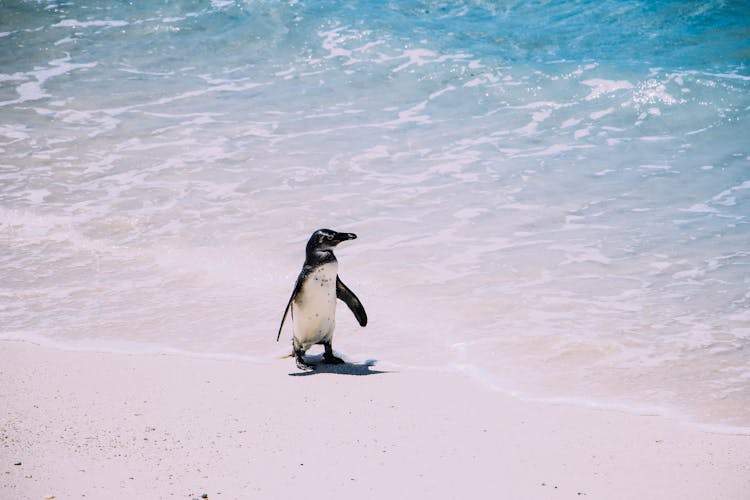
612,406
85,424
472,373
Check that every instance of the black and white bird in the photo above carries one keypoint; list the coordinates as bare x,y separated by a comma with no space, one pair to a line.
313,301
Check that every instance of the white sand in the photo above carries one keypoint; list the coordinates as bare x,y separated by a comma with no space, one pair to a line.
98,426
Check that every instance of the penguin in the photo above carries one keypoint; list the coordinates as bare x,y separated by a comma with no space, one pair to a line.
313,301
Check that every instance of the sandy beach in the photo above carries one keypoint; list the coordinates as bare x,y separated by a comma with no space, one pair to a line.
98,425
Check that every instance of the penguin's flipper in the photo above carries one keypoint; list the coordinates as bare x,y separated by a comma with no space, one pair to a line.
283,318
351,300
297,287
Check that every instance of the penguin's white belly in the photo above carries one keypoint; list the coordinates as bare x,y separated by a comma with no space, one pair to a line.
314,308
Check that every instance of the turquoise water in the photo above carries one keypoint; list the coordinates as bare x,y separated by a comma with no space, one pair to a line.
551,196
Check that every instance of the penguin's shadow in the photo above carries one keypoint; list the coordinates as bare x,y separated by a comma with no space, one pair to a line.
356,369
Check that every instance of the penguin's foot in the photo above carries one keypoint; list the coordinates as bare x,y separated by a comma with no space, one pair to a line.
329,357
304,366
332,360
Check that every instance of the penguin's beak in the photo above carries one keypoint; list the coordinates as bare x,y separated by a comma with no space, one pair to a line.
343,237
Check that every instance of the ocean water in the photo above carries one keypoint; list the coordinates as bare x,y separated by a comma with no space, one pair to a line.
553,196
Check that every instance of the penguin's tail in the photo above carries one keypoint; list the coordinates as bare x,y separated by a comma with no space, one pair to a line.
285,356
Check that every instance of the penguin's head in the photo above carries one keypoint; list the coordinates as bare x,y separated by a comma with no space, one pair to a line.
325,240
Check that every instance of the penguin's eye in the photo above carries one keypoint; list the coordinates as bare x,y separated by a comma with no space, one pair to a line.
329,237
